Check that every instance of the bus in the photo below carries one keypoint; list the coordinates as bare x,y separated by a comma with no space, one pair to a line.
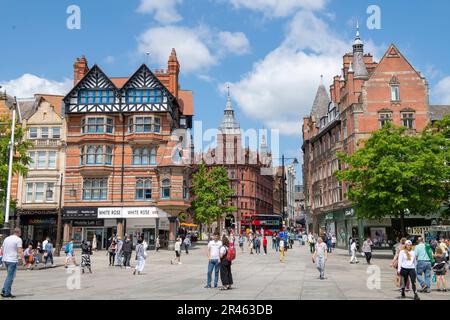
269,222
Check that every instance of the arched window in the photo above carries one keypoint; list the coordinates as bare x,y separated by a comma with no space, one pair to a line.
165,189
144,189
96,155
144,156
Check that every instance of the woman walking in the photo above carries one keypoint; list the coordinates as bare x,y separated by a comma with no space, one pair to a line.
48,252
177,252
264,243
367,249
407,263
86,251
241,242
112,252
440,269
225,265
140,257
70,256
158,244
353,249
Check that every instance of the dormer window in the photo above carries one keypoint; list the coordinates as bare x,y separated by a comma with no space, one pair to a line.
395,89
90,96
143,96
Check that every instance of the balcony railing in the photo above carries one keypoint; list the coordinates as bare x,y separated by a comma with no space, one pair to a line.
47,143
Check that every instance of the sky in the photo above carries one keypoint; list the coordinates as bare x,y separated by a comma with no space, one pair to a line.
271,52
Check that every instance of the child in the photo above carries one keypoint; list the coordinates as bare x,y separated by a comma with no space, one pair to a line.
36,257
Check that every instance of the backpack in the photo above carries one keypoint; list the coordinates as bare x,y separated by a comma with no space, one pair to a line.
231,254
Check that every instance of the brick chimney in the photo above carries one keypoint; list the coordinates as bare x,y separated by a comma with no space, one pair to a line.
174,71
80,68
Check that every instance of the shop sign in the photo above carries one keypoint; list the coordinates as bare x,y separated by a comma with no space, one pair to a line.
109,213
41,221
350,212
129,212
80,213
87,223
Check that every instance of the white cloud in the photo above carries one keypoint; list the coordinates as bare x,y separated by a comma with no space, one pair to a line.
441,92
165,11
236,42
278,8
28,84
197,49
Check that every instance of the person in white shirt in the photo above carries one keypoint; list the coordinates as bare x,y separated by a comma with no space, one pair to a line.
353,249
282,246
320,256
214,260
45,243
12,250
177,252
407,262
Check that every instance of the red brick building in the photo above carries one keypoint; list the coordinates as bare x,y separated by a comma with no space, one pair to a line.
367,95
127,163
252,184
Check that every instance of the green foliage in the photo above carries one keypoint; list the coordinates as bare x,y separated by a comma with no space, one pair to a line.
397,174
20,159
211,193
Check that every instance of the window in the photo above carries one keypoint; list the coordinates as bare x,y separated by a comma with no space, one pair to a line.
97,125
96,155
42,160
165,189
395,93
52,160
95,189
243,190
408,119
144,124
384,117
185,189
56,133
89,96
33,133
143,189
144,156
37,192
44,133
143,96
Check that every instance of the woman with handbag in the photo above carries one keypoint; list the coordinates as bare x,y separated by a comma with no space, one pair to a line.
86,251
141,255
112,252
440,269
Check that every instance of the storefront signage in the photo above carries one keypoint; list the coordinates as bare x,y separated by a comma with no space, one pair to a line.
37,212
88,223
108,213
41,221
80,213
130,212
349,212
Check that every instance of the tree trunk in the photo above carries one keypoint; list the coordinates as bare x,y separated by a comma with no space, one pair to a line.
402,224
218,225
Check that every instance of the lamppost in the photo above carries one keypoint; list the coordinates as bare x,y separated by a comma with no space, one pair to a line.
49,194
283,182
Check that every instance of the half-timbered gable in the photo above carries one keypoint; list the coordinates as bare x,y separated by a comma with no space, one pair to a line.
94,93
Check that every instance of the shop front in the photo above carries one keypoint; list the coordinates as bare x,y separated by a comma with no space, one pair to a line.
37,225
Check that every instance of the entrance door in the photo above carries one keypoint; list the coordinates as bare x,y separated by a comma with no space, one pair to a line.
149,236
99,235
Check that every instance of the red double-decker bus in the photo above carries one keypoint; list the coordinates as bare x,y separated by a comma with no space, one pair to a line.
270,223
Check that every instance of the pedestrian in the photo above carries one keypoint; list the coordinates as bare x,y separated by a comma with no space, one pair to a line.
329,244
394,263
251,242
94,243
264,243
48,252
444,248
241,242
213,260
282,246
354,250
277,242
311,242
333,241
350,241
28,257
70,255
44,243
86,251
158,244
425,260
144,244
177,252
12,250
274,241
320,256
367,249
187,243
257,244
127,249
225,264
141,255
112,252
407,264
119,253
440,269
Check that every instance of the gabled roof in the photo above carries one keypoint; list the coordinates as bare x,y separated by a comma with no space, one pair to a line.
437,112
320,105
119,81
54,100
27,108
186,101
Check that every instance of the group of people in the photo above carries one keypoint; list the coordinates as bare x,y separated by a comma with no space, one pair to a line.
328,239
220,253
418,262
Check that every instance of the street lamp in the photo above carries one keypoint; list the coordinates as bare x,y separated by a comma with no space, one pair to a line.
49,194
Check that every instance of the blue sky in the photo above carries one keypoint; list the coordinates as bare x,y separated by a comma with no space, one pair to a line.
271,52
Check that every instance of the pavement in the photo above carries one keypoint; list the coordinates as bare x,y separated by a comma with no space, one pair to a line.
256,277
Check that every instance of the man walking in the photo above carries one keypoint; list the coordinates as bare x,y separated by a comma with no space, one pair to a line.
320,256
127,249
187,243
12,250
214,260
424,261
367,249
311,242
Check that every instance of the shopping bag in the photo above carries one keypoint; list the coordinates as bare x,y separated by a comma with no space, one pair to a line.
434,278
397,280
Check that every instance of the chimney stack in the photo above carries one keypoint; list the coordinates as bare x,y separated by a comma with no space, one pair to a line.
80,68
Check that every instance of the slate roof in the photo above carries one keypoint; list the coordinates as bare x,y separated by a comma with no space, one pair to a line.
437,112
321,102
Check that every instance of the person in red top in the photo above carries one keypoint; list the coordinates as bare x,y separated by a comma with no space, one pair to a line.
265,245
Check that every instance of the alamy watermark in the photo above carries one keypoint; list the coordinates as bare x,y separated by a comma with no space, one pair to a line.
73,21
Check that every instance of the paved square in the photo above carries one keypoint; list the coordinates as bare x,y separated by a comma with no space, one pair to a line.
256,277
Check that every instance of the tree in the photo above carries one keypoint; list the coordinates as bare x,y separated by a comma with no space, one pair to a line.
20,159
211,193
395,174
